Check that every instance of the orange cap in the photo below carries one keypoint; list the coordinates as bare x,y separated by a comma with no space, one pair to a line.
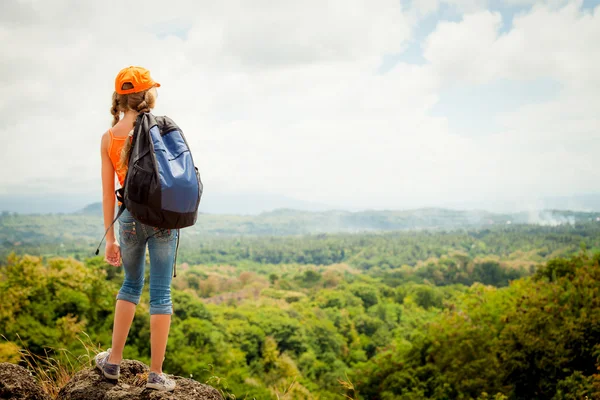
139,77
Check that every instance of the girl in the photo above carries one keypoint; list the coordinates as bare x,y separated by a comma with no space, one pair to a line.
135,92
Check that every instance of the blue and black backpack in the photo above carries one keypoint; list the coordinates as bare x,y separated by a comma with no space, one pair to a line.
162,187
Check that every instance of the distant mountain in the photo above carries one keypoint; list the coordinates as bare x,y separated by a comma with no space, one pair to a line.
212,203
44,203
589,202
583,202
92,209
257,203
285,221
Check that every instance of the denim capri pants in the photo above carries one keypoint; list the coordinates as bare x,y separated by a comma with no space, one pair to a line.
133,237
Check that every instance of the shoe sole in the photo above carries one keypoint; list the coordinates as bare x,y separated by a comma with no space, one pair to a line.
159,387
109,376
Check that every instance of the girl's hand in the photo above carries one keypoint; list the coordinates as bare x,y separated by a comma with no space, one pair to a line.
112,254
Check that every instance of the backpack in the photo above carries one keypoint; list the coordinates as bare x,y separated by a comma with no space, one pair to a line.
162,187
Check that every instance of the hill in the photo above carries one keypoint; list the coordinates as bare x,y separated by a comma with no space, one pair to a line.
297,222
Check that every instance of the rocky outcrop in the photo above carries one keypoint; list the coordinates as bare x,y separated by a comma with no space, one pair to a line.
90,384
16,383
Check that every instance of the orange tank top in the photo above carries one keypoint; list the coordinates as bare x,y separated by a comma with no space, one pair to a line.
115,147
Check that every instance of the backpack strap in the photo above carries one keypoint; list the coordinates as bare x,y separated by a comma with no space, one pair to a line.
175,261
119,192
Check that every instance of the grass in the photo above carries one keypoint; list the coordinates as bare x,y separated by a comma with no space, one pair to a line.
349,388
56,367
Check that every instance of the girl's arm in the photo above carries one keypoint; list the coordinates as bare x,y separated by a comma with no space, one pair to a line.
108,189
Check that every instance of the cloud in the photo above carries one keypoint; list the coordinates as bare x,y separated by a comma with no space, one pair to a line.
288,97
547,42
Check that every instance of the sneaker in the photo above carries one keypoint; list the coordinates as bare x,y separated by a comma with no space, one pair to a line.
111,371
160,382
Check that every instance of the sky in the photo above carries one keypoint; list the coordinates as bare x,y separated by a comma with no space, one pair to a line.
355,104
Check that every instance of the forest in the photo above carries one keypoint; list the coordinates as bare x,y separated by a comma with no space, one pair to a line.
502,312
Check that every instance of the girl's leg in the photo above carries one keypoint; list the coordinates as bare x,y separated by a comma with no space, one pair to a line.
159,335
161,246
124,312
133,254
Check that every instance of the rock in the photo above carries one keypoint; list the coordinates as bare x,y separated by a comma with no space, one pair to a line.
90,384
16,383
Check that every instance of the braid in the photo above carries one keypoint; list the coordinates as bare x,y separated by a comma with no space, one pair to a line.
144,105
114,110
124,161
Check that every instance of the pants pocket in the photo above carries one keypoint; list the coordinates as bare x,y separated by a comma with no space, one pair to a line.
164,235
128,233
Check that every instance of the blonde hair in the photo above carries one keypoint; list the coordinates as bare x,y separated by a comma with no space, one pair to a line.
140,102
